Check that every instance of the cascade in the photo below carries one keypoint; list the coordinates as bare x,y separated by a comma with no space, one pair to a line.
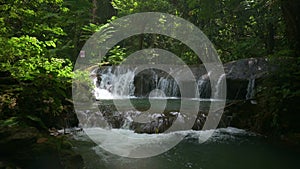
218,88
250,89
168,86
113,84
118,82
204,86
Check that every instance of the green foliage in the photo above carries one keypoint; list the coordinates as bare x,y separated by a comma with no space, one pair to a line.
12,121
40,41
40,67
90,29
18,48
25,121
116,55
83,77
83,84
190,58
44,80
33,39
126,7
238,29
77,15
278,96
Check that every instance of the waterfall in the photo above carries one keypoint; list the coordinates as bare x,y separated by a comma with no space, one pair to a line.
112,84
122,84
219,90
102,94
204,86
250,89
115,82
168,86
201,85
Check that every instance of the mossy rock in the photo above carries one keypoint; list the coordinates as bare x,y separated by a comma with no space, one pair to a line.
28,148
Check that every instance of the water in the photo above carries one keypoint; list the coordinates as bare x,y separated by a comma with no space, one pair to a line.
120,82
228,148
218,93
168,86
250,89
111,84
102,94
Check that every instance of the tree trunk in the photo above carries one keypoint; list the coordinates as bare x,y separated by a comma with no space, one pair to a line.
141,45
94,11
271,40
292,19
104,11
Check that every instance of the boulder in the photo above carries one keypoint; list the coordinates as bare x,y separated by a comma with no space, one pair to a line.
240,77
26,147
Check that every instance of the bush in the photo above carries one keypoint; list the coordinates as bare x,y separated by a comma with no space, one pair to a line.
278,96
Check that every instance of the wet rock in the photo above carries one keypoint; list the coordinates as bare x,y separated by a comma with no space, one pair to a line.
70,160
244,69
199,122
26,147
157,125
239,76
16,138
113,117
242,77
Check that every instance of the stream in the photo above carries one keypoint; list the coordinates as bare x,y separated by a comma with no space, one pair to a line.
228,148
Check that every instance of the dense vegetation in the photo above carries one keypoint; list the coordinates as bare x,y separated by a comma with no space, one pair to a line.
41,39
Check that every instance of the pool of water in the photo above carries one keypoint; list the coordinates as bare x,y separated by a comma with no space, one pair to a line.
170,103
228,148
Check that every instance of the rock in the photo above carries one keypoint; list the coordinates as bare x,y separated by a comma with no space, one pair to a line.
240,77
71,160
113,117
16,138
157,125
244,69
41,140
26,147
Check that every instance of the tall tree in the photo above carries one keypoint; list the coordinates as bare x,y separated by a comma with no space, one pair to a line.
290,9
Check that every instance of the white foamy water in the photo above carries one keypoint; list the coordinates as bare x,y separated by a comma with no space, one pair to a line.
226,148
126,143
101,94
116,84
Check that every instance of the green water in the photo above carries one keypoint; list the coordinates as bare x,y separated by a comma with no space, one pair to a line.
171,103
228,148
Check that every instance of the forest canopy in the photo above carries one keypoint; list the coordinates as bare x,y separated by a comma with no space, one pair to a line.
41,39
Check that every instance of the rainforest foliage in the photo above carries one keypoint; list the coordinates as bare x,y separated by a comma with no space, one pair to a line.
41,39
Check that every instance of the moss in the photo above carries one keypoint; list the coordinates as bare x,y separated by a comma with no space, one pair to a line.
26,147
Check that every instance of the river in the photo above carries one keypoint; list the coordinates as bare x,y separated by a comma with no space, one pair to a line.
228,148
